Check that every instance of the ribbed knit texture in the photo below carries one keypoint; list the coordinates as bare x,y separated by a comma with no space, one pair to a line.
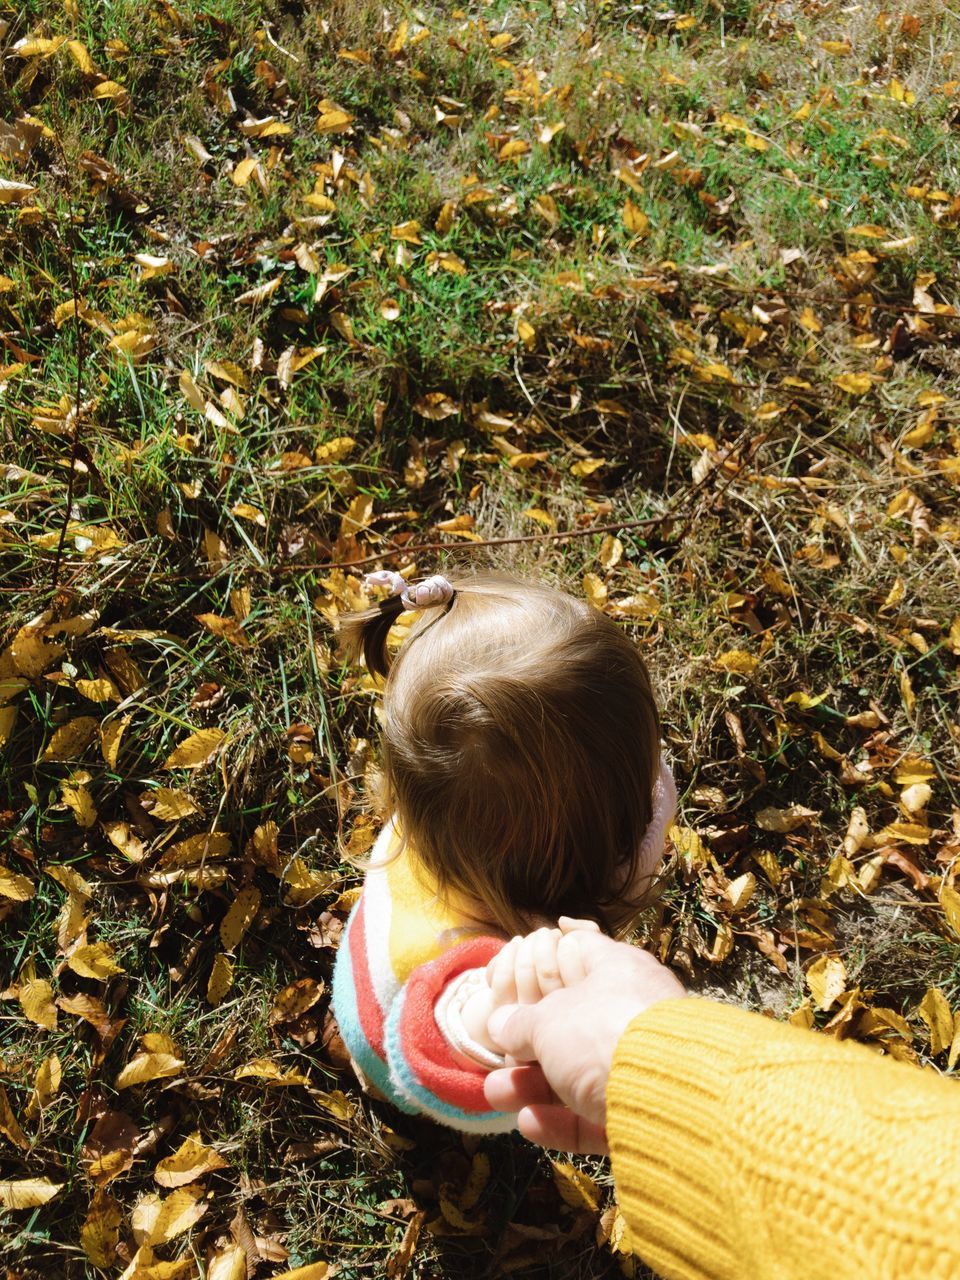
746,1149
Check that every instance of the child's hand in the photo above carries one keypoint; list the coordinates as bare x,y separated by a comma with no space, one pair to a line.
529,968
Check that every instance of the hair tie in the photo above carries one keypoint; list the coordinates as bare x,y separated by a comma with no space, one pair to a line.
433,591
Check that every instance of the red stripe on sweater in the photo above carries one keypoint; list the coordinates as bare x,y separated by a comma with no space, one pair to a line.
427,1053
368,1007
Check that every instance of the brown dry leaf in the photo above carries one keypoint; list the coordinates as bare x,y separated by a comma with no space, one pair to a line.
398,1264
71,739
36,1001
221,978
108,1150
827,980
94,960
100,1233
189,1162
15,887
240,915
295,1000
28,1193
936,1013
196,751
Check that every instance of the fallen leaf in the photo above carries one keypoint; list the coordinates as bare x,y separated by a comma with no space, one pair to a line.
71,739
29,1193
936,1013
827,980
15,887
190,1161
240,915
786,820
196,750
221,979
94,960
36,1001
737,662
108,1149
100,1232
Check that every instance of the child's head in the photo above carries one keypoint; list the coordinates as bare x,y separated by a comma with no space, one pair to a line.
521,751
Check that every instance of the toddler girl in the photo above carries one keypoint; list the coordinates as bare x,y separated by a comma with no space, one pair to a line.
522,770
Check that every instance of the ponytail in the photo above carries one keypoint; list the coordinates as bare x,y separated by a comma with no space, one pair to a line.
366,633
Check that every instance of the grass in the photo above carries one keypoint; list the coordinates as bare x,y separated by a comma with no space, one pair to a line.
796,603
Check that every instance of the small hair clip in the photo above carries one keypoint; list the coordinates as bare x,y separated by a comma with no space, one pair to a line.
433,591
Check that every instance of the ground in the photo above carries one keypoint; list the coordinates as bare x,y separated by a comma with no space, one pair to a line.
657,305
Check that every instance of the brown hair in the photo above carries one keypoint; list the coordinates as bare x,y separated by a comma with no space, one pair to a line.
520,749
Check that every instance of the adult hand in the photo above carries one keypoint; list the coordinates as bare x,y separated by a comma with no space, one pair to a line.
567,1040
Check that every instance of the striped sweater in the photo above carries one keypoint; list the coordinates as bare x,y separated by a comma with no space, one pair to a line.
401,950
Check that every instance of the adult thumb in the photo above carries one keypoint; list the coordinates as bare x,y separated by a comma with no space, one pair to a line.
511,1026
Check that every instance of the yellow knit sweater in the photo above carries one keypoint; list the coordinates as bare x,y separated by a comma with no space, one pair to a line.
745,1149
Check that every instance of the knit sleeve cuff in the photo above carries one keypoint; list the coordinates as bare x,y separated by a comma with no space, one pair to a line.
666,1122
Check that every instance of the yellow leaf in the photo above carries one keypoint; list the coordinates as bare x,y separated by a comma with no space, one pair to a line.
167,804
541,517
264,1069
28,1193
527,334
124,838
783,821
38,46
855,384
252,297
634,219
576,1188
15,887
737,662
827,980
94,960
294,1000
244,171
445,217
147,1066
586,467
190,1161
221,979
950,901
240,915
230,1264
913,768
9,1124
837,47
936,1013
8,718
111,731
100,1233
312,1271
70,879
513,149
611,552
334,121
334,450
70,740
177,1214
755,142
36,1001
336,1103
109,89
808,319
196,750
894,595
409,232
46,1085
740,891
303,885
76,796
595,589
869,231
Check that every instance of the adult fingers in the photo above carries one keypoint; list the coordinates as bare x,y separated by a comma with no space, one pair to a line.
512,1028
563,1129
510,1088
